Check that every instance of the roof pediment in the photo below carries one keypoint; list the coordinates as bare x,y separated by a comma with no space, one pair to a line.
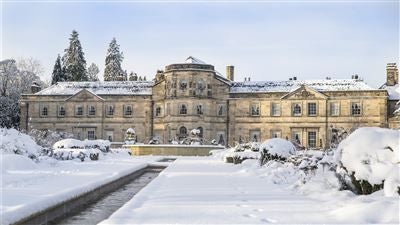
84,96
304,92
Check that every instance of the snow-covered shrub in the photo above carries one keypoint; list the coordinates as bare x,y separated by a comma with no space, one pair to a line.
74,153
276,149
70,143
69,149
242,152
370,156
15,142
47,138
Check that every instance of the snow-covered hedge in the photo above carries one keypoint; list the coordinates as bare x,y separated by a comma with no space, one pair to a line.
74,153
14,142
242,152
370,155
69,149
276,149
103,145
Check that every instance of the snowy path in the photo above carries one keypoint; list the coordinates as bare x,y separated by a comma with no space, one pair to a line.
25,192
204,190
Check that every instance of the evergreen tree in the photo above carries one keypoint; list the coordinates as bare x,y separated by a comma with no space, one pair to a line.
93,72
58,74
113,69
74,63
144,78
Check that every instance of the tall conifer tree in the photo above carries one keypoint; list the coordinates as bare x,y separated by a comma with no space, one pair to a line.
58,74
113,70
74,63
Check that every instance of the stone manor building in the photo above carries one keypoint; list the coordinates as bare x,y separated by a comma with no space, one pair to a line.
193,94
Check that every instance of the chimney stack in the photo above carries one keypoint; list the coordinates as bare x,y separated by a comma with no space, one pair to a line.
230,74
35,87
392,74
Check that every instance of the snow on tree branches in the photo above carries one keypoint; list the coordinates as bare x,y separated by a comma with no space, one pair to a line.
93,71
74,63
58,73
113,70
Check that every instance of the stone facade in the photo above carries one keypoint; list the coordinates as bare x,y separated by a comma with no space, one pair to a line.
193,95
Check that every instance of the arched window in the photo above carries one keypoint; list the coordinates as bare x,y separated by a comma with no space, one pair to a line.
183,109
201,131
182,131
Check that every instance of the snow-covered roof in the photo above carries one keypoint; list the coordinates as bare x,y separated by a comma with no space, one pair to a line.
100,88
291,85
393,91
193,60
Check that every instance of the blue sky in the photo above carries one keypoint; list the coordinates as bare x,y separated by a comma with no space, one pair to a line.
263,40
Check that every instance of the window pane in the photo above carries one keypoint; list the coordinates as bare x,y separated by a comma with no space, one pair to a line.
355,108
312,139
312,109
296,109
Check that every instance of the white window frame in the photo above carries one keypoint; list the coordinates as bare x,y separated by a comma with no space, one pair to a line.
309,140
44,111
359,109
275,109
61,108
308,109
276,134
294,106
91,110
257,111
110,108
77,107
128,113
335,112
89,136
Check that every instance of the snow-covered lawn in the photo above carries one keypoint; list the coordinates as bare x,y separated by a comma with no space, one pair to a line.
204,190
27,187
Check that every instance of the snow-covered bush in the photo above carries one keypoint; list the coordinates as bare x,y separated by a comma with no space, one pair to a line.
242,152
276,149
69,149
370,157
15,142
74,153
70,143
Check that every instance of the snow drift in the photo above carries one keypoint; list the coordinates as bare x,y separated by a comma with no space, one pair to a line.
15,142
372,154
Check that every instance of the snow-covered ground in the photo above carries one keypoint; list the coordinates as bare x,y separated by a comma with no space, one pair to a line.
27,187
204,190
